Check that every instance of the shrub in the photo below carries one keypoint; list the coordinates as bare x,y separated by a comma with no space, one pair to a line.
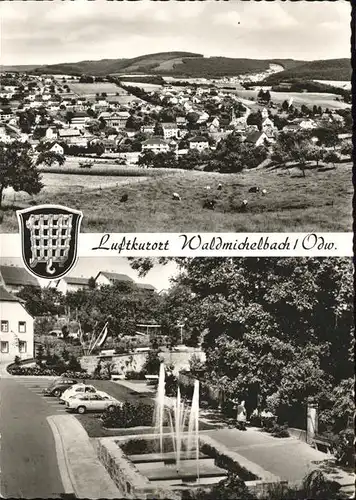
133,375
317,486
231,488
17,361
152,363
345,448
129,415
276,430
74,364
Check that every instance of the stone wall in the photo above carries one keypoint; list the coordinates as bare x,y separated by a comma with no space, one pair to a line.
135,361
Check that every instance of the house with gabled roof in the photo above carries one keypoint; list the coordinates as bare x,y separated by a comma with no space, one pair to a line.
257,138
72,284
110,278
16,328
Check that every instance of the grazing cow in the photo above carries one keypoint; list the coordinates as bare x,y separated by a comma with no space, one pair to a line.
124,198
254,189
219,186
208,188
176,197
243,207
264,191
210,204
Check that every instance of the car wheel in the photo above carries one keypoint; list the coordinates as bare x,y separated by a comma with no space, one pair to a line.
57,393
111,408
81,409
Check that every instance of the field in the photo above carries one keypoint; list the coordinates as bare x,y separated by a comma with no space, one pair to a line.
322,201
91,89
324,100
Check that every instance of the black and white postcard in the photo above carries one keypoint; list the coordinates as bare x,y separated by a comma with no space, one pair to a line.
176,272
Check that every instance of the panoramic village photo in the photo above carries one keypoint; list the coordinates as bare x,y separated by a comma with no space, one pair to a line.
182,116
193,379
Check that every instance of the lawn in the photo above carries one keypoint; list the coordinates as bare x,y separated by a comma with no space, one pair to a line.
322,201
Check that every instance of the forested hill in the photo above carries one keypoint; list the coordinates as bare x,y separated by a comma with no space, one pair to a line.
189,64
329,69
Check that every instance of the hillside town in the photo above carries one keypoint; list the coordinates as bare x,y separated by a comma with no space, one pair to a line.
186,123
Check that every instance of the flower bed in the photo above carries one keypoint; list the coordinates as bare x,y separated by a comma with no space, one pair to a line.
50,372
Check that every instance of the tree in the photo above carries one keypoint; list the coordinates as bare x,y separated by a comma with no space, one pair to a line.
146,159
331,157
255,119
40,355
92,283
327,136
42,301
277,330
18,169
346,148
50,157
285,105
69,116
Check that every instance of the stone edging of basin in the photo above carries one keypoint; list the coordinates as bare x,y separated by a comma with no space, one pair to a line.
135,485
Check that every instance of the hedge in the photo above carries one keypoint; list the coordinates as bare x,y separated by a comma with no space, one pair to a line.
128,415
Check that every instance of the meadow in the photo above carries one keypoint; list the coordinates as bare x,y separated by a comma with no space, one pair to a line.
90,89
325,100
320,201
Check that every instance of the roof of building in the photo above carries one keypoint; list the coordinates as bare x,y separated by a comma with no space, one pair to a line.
155,140
119,114
76,281
169,125
254,136
80,114
198,138
146,286
68,132
17,276
5,296
115,276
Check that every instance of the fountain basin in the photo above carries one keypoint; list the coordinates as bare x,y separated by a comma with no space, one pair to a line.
149,475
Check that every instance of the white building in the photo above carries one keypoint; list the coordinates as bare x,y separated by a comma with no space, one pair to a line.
170,130
199,143
156,144
56,148
16,328
72,284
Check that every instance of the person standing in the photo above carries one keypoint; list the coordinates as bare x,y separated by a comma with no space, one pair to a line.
241,415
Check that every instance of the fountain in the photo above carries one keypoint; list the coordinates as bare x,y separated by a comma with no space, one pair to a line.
181,418
174,457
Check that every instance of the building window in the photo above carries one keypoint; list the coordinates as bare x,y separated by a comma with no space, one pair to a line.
22,346
22,326
4,326
4,347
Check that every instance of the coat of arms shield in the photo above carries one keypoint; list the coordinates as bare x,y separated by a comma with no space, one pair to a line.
49,239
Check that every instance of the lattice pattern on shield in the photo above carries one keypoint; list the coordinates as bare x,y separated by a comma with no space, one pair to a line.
50,239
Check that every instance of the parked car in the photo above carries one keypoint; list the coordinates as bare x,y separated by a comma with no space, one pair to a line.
59,386
78,389
82,403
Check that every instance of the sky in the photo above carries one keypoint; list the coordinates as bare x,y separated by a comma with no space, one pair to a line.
49,32
86,267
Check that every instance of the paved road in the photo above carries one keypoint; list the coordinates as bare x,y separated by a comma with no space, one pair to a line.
27,455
